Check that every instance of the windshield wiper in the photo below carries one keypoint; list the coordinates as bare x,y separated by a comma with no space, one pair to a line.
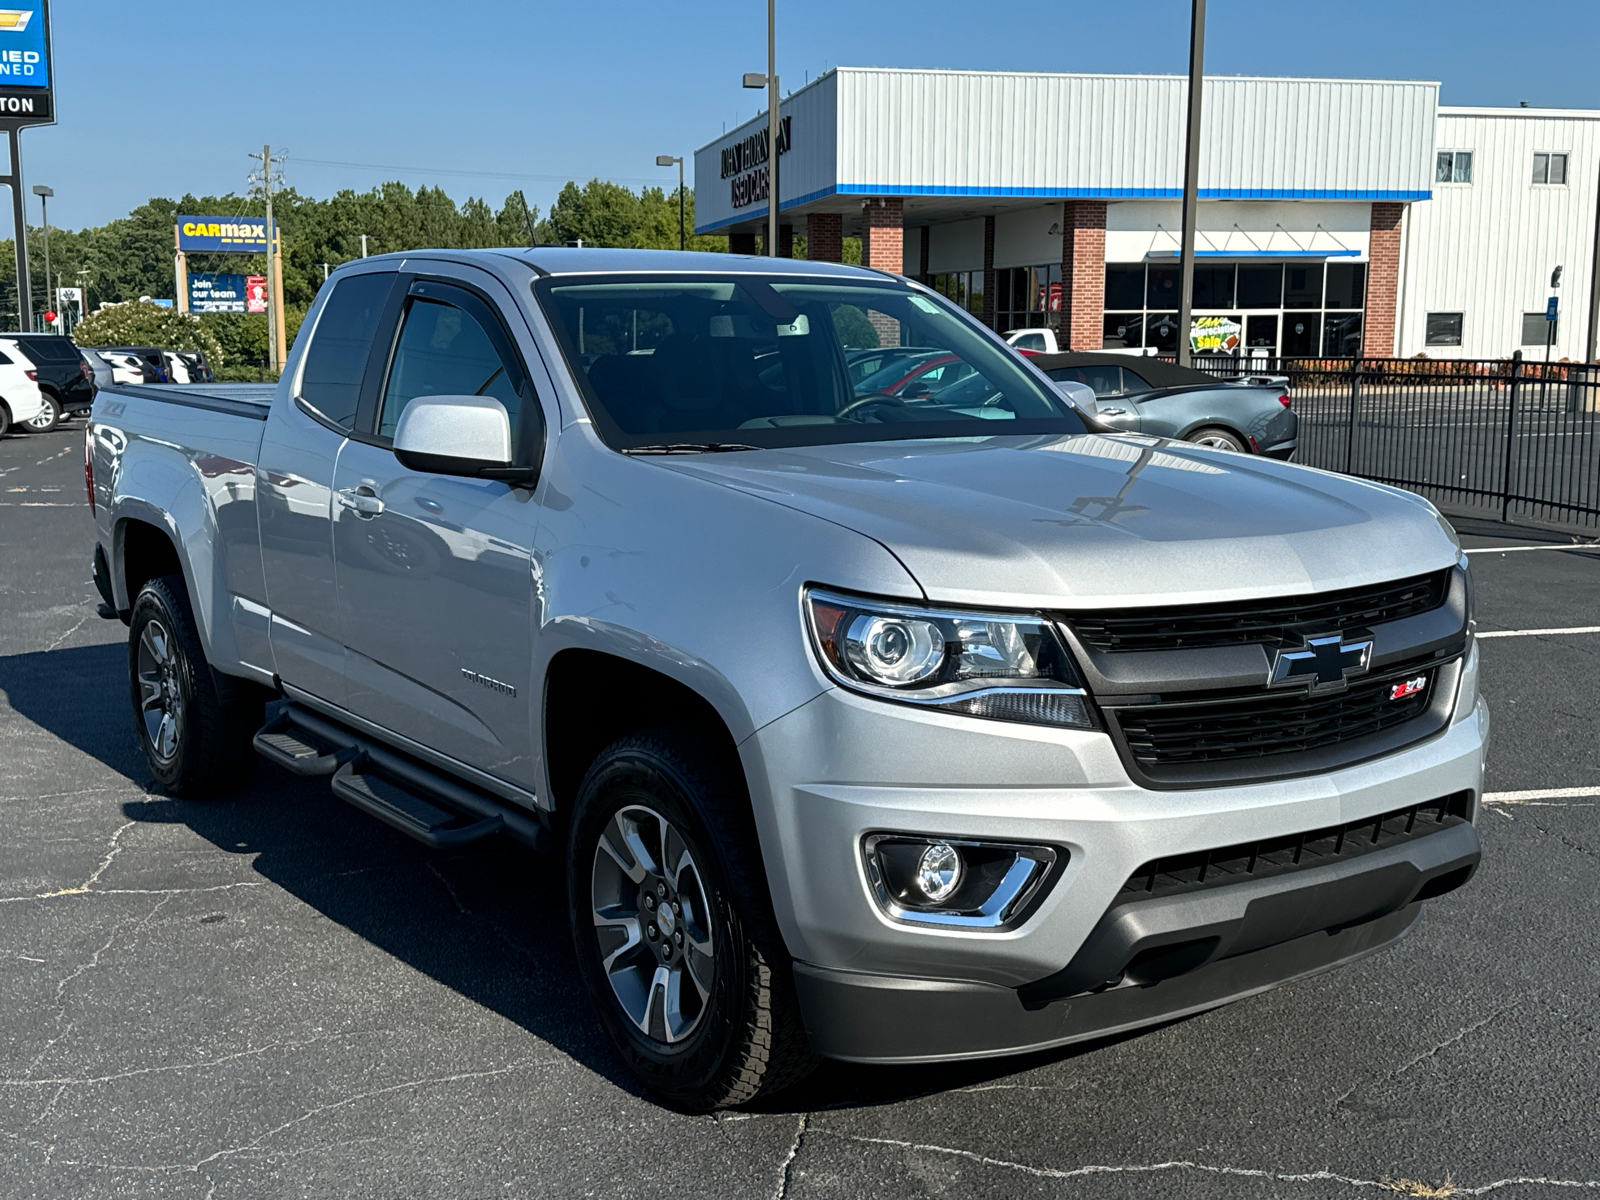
691,448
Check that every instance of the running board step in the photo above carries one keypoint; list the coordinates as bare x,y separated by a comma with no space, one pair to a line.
437,810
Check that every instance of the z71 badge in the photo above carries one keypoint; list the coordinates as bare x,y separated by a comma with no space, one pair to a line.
1407,687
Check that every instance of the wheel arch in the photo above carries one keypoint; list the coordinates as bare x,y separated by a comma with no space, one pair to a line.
593,697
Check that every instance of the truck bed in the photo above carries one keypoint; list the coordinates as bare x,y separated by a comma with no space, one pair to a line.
237,399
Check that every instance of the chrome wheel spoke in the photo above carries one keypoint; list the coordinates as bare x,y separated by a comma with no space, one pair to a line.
655,1016
150,695
698,968
616,924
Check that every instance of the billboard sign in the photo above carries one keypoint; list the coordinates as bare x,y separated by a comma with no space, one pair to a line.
246,235
26,94
214,293
255,293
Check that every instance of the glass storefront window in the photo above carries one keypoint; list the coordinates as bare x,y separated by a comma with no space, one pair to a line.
1260,285
1261,332
1213,286
1301,334
1341,335
1347,285
1161,289
1122,331
1303,286
1124,286
1161,331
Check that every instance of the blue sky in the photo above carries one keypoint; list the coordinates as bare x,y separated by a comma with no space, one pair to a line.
163,98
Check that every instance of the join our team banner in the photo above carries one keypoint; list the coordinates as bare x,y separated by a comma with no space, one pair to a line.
246,235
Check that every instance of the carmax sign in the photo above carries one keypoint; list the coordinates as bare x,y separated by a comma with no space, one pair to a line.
244,234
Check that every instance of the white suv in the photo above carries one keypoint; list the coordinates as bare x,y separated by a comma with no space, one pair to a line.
20,398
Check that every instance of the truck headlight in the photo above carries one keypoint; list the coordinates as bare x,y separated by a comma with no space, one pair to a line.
997,665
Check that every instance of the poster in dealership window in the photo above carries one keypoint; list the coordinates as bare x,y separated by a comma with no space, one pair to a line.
1214,335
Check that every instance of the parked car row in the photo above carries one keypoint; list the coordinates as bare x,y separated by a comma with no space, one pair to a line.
46,378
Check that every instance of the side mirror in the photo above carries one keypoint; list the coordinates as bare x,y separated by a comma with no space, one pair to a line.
458,435
1079,395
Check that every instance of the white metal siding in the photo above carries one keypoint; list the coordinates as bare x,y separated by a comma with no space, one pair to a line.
1486,249
989,133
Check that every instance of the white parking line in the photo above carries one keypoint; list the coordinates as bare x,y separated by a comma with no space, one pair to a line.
1519,549
1493,633
1539,794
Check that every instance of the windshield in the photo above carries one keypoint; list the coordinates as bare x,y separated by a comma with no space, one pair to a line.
741,361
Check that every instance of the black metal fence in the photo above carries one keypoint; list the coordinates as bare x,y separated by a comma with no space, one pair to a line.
1506,438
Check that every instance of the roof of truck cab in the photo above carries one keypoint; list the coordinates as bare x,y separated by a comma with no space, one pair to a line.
591,260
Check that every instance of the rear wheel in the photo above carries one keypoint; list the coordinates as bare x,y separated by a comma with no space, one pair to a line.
673,925
193,724
5,419
47,420
1217,439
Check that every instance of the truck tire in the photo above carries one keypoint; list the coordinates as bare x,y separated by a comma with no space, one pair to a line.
673,925
45,421
193,724
1217,438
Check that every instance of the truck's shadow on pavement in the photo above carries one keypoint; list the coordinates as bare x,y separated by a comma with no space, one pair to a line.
490,924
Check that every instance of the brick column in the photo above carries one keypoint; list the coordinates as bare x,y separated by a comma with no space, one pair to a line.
741,243
785,241
1383,280
988,273
1083,274
824,237
883,237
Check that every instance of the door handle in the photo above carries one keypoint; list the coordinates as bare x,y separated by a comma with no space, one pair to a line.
362,499
1113,412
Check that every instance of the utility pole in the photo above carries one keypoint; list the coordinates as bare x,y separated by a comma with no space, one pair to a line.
275,339
363,245
44,195
527,219
1191,178
324,272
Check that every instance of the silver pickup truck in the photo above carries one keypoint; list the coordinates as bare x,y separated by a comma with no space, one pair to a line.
888,728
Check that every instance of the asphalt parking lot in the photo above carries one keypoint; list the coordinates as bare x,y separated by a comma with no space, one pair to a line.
275,995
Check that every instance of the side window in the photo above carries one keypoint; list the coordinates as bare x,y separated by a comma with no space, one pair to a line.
1133,382
5,359
444,351
330,381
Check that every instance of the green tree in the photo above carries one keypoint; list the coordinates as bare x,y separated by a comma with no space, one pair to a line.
140,323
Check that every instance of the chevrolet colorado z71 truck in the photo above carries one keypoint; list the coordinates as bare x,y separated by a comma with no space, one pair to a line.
885,728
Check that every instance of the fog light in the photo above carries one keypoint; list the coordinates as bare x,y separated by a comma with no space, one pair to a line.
951,882
938,872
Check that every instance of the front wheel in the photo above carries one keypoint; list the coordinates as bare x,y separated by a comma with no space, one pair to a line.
1217,439
673,926
47,419
193,724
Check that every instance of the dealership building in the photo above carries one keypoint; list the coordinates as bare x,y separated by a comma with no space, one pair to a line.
1336,216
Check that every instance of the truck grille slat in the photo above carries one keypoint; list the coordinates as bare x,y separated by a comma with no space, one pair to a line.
1270,723
1269,622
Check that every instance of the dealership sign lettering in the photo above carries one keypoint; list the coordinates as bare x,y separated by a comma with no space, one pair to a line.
248,234
744,165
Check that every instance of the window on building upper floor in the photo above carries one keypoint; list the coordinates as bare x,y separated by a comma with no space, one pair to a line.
1453,166
1550,168
1444,329
1536,331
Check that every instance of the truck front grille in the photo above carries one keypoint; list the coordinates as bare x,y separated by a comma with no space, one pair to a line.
1226,733
1269,622
1183,873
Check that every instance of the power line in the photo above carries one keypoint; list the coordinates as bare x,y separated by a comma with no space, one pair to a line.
331,162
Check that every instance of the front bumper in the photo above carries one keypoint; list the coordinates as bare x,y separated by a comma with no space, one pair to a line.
842,767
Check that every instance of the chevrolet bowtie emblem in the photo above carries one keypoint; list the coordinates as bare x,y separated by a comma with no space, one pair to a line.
1325,663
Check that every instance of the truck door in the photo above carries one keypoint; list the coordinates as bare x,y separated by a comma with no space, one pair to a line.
295,474
435,573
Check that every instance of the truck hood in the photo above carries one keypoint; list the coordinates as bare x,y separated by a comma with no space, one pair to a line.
1096,520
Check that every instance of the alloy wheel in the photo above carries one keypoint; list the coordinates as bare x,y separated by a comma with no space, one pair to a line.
653,923
160,697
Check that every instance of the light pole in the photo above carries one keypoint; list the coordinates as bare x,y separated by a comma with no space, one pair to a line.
769,81
666,160
44,195
1191,178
